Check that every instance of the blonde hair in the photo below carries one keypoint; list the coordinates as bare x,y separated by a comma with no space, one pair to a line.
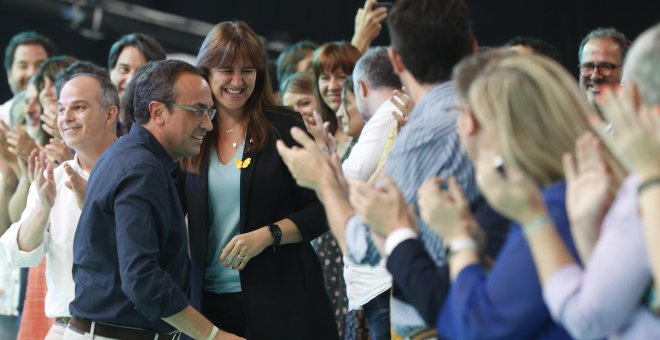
536,111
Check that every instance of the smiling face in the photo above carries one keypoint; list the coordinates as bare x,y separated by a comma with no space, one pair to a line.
82,121
27,59
129,60
48,97
348,116
330,84
232,85
597,52
183,133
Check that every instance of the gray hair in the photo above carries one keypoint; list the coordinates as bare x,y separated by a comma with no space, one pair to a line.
642,65
606,33
108,96
375,69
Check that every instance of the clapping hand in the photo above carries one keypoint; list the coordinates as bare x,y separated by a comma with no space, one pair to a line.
405,104
447,212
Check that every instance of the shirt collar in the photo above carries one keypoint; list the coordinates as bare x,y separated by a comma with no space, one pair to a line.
152,144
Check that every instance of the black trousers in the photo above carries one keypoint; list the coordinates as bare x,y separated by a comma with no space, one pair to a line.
227,311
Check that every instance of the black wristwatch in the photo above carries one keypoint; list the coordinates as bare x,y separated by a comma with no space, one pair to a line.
276,232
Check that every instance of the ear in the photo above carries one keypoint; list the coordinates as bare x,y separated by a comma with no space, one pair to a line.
475,46
362,89
157,111
113,112
395,59
472,125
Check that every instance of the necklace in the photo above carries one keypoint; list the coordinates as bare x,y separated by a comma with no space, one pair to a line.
228,131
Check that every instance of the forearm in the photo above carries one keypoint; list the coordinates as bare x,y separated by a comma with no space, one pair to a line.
19,199
648,204
290,232
31,232
548,250
192,323
337,208
7,186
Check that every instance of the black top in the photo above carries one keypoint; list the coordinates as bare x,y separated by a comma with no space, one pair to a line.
130,250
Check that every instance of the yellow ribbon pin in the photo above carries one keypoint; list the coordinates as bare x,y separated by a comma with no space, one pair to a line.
243,164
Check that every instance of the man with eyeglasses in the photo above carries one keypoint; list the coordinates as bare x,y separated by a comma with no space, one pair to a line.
601,56
131,266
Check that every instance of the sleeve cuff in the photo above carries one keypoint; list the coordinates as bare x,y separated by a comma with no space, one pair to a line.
398,236
15,256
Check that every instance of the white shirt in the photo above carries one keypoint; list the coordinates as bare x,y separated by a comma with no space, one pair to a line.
57,245
364,157
4,110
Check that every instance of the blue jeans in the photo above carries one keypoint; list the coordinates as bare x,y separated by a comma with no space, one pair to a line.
378,316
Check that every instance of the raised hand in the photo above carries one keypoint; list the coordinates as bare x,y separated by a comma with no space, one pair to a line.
320,130
57,151
77,184
45,180
514,196
405,104
635,139
588,187
367,25
20,143
382,208
306,163
447,212
49,119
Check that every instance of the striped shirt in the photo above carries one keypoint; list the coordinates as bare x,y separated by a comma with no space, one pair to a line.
427,146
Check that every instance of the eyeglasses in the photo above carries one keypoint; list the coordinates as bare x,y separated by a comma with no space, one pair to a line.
604,69
199,112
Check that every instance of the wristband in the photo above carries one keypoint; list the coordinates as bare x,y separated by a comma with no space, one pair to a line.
536,224
214,332
462,244
647,184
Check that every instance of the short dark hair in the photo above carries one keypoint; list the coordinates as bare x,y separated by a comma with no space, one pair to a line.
431,36
537,45
49,69
606,33
157,83
79,66
148,46
290,57
375,68
26,38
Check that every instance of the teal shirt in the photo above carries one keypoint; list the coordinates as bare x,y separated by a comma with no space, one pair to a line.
224,210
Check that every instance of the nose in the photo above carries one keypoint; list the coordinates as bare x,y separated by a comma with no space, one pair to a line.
206,123
335,83
237,78
596,74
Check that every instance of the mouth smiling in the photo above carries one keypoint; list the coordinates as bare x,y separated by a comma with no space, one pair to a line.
233,91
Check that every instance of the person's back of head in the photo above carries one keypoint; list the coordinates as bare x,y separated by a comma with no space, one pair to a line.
80,66
156,82
375,69
532,106
537,46
289,59
25,38
642,66
431,36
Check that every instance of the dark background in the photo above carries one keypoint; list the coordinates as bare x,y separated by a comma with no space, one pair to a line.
281,22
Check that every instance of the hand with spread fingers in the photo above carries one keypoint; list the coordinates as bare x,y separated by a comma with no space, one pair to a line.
243,247
308,163
367,25
635,139
320,130
382,208
57,151
45,180
588,191
405,104
20,143
77,184
49,119
5,155
447,212
512,195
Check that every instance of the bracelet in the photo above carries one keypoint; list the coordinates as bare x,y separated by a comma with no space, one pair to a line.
462,244
647,184
536,224
214,332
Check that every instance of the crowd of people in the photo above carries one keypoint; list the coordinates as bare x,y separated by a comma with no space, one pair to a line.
430,189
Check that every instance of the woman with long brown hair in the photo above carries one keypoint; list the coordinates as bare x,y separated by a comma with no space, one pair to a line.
254,270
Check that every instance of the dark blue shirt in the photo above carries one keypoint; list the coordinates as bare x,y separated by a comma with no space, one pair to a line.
130,251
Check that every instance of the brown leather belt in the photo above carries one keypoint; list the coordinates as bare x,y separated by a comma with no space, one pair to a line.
117,332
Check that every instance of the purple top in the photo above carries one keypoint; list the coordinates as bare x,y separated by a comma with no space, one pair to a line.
604,299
